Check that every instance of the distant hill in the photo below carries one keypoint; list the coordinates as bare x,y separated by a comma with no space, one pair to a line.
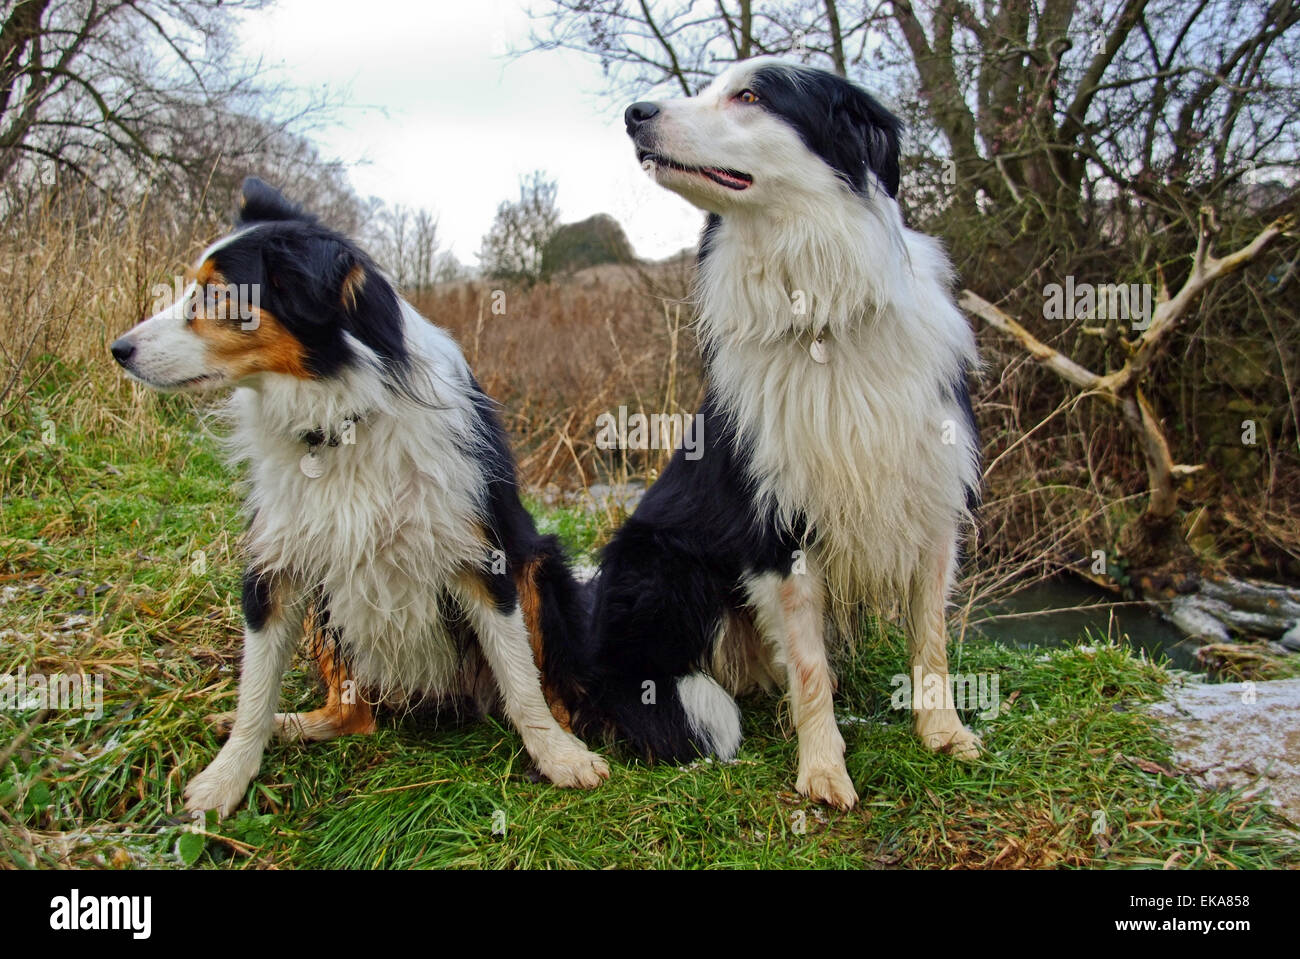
590,242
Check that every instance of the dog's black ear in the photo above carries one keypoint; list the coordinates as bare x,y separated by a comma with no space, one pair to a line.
321,287
369,305
869,135
839,121
260,203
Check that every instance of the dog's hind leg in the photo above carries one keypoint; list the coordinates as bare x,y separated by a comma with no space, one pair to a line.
790,613
503,639
940,728
272,619
345,712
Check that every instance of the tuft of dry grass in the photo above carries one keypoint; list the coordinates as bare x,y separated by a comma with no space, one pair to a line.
557,355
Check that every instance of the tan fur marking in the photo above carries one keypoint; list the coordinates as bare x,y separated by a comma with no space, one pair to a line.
352,286
208,273
471,580
265,348
742,662
530,601
240,348
346,718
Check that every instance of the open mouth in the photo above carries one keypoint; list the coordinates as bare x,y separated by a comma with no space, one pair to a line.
185,384
731,179
193,381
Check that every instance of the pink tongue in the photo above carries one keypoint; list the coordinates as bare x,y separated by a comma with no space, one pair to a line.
723,175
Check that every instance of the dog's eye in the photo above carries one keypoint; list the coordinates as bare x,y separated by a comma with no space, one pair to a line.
747,96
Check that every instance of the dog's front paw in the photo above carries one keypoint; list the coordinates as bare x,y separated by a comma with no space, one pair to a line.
218,787
827,784
960,743
574,767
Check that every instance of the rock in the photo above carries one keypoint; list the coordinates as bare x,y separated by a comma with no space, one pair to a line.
600,496
1238,735
1265,599
1261,623
1198,617
1291,639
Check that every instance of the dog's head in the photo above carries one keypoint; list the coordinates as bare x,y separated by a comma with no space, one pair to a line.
764,133
280,296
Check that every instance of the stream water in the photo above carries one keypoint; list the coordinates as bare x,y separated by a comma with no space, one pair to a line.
1041,615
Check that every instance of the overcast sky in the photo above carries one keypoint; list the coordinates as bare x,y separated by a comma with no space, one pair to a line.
438,116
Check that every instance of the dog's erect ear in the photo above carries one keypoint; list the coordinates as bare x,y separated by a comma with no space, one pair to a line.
259,203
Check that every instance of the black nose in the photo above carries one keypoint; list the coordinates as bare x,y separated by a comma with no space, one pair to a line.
638,113
122,350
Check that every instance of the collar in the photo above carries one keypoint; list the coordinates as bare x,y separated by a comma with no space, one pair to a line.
816,344
326,435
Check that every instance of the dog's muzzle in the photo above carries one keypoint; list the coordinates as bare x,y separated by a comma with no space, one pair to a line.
639,113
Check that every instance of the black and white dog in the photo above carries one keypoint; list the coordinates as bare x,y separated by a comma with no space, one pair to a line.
840,458
381,495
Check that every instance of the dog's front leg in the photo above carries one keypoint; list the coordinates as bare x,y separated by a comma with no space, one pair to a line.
272,622
791,616
561,756
939,727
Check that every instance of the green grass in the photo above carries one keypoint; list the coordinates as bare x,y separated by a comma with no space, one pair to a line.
118,555
583,531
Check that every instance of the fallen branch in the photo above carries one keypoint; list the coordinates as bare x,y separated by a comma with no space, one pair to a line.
1123,388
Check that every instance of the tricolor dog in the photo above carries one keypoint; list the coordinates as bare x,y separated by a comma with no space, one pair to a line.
382,499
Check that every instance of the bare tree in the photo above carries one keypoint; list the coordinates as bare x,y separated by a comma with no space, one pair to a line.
1152,538
405,243
425,249
114,92
686,43
1036,103
513,248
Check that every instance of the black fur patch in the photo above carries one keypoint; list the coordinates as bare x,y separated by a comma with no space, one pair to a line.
837,120
256,599
670,575
961,393
300,270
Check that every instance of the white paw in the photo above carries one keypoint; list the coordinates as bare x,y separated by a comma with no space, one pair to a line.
218,787
958,742
827,784
573,767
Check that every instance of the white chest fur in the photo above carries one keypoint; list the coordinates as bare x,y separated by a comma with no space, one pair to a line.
862,435
391,518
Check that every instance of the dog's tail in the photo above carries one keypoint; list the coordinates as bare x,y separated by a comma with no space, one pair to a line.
651,640
652,694
671,718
